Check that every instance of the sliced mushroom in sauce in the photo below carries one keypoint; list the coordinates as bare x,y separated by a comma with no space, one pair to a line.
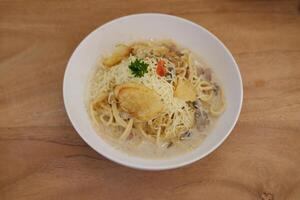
201,116
185,135
167,144
170,144
200,71
170,74
207,74
216,89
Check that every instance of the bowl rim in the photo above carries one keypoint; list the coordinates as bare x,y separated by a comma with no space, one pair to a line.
136,165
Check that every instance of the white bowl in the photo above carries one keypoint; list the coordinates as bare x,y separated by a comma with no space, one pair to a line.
147,26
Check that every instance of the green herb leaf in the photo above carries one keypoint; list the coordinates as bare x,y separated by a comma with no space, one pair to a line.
138,67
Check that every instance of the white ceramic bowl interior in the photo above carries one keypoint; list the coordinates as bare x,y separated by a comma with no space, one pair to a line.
147,26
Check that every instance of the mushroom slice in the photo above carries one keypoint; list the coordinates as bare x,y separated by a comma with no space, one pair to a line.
138,100
121,51
185,90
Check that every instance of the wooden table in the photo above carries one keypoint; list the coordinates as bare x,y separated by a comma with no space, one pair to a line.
42,157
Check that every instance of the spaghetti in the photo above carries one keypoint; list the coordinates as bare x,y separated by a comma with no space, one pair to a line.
154,91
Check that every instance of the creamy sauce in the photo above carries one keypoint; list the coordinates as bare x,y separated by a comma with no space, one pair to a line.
137,146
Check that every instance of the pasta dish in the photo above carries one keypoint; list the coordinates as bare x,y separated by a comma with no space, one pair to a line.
154,93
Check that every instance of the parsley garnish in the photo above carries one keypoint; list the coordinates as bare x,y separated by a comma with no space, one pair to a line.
138,67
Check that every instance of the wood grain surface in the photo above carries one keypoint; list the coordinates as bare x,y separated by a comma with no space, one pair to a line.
42,157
